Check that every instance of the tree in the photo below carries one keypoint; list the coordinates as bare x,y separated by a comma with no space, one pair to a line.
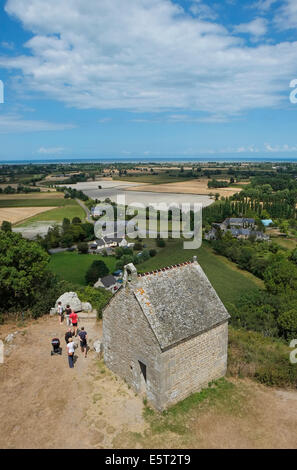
97,270
6,226
76,220
65,224
280,276
23,269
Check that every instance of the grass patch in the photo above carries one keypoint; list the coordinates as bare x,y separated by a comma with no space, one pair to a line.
72,267
288,243
220,394
265,359
229,283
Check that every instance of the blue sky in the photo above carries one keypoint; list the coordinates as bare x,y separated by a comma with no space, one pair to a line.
147,78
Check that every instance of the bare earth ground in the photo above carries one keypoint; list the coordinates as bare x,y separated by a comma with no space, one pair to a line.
187,187
45,404
18,214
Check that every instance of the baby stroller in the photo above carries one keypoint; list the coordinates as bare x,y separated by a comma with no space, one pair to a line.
56,347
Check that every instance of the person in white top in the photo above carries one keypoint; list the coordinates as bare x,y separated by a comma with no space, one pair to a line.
70,349
60,312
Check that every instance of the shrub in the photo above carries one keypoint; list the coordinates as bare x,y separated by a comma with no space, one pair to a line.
83,247
287,322
160,243
138,246
97,297
6,226
153,252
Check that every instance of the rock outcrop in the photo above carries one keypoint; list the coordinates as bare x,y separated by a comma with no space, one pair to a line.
70,298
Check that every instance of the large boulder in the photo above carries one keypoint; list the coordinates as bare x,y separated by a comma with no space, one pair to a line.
86,307
70,298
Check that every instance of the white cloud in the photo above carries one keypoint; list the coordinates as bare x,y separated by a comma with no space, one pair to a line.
51,150
280,148
256,28
147,56
202,11
13,123
263,5
286,16
7,45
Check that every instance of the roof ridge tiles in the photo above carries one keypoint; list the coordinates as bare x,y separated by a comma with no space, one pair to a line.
166,268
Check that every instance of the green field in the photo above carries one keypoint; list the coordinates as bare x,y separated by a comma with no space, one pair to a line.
152,179
229,283
56,215
37,202
72,266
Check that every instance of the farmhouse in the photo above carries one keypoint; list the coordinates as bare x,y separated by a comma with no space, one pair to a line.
108,282
166,332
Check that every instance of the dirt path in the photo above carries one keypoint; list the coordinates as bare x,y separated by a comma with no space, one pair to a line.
45,404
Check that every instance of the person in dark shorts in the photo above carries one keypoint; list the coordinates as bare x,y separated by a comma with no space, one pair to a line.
68,335
74,319
83,340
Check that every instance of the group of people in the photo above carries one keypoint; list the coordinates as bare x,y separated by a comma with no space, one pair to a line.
72,321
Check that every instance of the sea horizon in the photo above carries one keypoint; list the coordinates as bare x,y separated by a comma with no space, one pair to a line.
150,160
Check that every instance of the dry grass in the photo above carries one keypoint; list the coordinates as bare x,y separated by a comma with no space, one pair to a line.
18,214
195,186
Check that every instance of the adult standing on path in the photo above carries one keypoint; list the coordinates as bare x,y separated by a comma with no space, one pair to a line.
83,336
68,312
74,318
60,312
68,335
70,349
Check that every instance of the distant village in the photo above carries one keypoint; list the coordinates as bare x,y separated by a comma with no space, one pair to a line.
240,228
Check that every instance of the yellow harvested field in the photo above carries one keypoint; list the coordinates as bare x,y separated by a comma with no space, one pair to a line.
186,187
18,214
41,195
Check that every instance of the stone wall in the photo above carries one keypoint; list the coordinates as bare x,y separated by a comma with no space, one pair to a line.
172,375
191,365
128,339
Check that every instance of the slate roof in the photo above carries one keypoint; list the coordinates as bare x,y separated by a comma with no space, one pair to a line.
108,281
179,302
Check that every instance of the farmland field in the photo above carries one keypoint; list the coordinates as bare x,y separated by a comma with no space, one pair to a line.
190,186
27,209
56,215
152,179
17,214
